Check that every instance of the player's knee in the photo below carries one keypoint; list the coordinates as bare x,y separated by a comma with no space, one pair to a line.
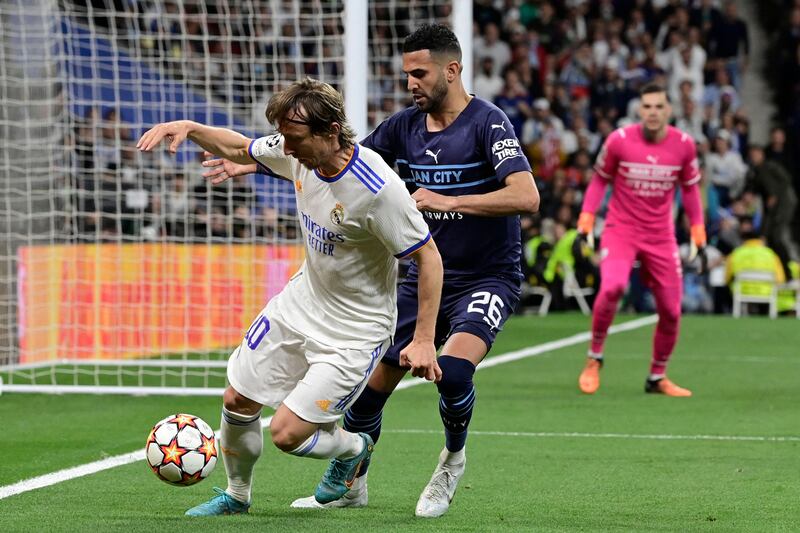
283,437
613,290
670,314
236,403
456,375
285,441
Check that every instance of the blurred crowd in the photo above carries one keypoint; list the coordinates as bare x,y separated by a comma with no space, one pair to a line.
566,72
115,193
240,52
235,54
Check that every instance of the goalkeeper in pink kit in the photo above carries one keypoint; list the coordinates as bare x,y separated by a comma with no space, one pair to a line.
644,163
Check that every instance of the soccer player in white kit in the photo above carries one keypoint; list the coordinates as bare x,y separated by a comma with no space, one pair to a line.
311,351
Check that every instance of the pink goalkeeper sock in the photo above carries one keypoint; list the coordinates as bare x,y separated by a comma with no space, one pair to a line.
666,335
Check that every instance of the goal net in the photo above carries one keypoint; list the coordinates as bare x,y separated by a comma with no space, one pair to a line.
127,272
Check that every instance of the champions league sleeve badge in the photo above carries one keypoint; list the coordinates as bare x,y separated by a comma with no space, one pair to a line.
337,214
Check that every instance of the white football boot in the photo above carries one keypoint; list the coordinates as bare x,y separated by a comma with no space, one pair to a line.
355,497
438,493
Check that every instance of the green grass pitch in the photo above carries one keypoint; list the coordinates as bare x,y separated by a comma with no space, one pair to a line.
541,456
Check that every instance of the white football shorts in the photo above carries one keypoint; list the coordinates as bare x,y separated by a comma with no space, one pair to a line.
276,364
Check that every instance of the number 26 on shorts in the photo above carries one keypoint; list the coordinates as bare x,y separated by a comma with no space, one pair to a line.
489,305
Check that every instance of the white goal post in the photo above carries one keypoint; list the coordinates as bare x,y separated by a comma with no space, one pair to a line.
127,273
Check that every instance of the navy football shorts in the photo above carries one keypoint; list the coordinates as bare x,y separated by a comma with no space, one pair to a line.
480,307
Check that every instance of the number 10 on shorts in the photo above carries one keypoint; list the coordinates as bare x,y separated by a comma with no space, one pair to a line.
256,333
489,305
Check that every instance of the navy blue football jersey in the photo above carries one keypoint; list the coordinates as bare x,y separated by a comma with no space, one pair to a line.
473,155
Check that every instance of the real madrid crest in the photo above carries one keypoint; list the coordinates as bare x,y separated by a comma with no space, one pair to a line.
337,214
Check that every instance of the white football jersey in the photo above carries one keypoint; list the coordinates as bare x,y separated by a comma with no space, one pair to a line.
355,226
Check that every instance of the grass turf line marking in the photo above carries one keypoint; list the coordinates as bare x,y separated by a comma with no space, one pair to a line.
127,458
630,436
543,348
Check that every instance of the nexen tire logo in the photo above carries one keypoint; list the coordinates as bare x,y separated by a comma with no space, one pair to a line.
506,149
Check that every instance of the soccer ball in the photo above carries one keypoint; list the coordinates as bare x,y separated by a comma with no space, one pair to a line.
181,450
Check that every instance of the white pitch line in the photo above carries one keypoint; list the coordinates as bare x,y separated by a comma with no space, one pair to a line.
577,435
124,459
546,347
70,473
67,474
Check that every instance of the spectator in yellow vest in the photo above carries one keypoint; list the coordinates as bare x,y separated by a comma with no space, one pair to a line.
754,255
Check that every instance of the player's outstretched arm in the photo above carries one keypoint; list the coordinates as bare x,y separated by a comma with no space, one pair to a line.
219,170
519,195
420,354
223,142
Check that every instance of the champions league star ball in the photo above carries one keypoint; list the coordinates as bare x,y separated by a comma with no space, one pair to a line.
181,450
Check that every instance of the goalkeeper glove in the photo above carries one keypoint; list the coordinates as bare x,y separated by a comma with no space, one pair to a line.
586,228
697,246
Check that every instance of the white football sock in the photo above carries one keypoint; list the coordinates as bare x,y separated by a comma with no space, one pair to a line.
329,442
241,441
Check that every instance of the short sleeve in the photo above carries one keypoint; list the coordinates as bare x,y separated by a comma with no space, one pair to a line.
501,145
396,222
381,140
268,151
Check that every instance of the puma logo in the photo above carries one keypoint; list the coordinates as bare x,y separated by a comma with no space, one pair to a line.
502,126
652,159
434,156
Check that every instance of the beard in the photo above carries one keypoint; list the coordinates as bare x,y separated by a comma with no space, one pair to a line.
651,135
435,100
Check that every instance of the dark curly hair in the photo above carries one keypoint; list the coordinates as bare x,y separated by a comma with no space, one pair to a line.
437,38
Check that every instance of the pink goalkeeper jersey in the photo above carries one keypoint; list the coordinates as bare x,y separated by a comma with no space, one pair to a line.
644,175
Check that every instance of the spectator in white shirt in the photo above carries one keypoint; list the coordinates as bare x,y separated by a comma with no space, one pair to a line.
489,44
725,169
487,83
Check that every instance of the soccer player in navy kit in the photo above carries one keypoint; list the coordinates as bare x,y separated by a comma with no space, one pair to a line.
462,161
463,164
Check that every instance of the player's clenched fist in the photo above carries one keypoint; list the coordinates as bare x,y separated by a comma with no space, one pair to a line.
421,358
428,200
174,132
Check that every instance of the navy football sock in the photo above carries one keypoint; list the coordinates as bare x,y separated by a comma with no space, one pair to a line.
457,399
365,416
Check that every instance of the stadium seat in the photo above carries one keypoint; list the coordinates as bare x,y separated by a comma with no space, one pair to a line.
746,294
794,285
535,290
572,289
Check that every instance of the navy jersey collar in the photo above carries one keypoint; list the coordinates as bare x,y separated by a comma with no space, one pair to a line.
465,114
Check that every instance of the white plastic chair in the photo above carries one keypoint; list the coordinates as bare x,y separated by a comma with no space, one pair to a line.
572,289
756,276
793,285
535,290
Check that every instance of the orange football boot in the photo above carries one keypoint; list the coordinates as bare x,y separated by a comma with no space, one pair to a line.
589,381
666,387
